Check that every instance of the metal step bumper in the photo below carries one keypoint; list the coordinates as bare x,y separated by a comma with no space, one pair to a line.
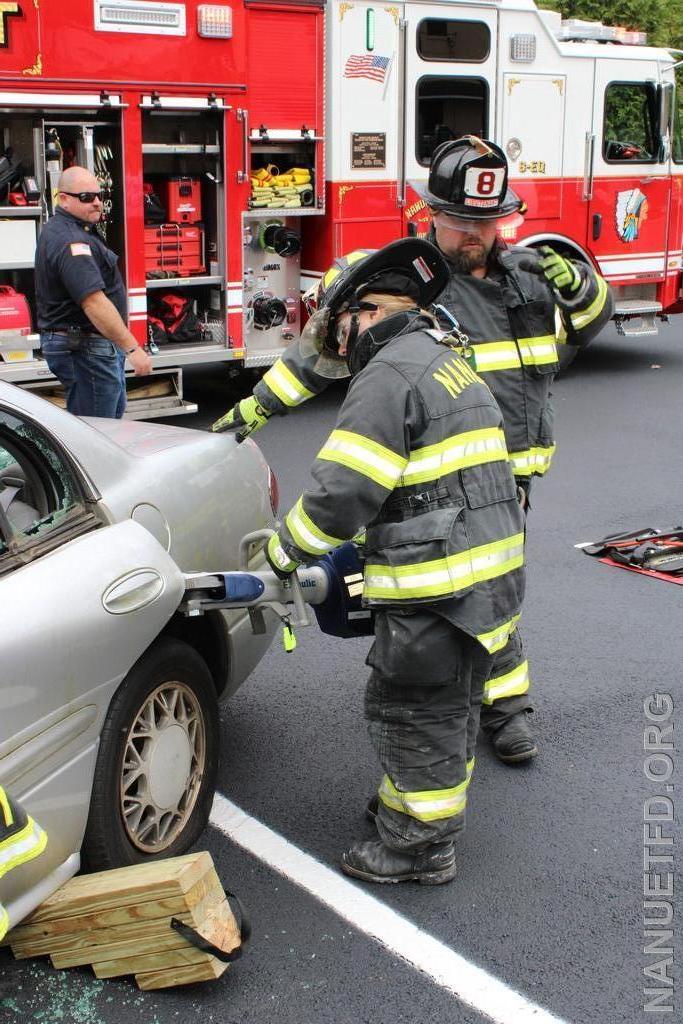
634,317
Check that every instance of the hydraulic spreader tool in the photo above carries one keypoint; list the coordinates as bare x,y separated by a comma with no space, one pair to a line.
333,586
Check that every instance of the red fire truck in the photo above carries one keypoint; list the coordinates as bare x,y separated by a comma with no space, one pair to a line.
245,145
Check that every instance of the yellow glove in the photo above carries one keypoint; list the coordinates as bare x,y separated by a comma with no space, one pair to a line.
559,272
278,559
245,417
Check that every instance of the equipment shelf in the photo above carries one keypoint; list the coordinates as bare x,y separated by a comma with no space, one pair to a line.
20,211
178,148
183,282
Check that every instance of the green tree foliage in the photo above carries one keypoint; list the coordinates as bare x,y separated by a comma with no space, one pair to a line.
661,19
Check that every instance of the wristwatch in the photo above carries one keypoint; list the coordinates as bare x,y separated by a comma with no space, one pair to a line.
129,351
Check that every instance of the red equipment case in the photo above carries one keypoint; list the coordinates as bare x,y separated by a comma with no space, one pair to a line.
175,247
182,198
15,315
15,318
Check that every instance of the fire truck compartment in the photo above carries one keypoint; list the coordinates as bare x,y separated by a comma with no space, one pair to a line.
272,273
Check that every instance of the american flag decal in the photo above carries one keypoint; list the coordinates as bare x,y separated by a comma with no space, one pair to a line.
366,66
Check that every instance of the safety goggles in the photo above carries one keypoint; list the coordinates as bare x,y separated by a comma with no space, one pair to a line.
88,197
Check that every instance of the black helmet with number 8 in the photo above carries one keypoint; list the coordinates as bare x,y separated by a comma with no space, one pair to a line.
468,178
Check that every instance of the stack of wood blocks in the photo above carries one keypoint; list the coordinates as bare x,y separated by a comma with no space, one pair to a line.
119,921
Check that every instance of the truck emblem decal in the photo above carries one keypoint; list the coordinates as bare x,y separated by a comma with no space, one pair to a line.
631,210
6,10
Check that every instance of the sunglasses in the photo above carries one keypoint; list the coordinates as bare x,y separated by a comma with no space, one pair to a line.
88,197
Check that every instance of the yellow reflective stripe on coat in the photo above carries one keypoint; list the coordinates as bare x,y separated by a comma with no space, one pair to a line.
455,453
22,846
306,534
538,351
508,685
364,456
442,576
285,385
6,808
532,461
582,319
496,639
510,355
496,355
428,804
4,922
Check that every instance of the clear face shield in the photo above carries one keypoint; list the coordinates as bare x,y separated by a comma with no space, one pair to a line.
479,227
321,338
461,225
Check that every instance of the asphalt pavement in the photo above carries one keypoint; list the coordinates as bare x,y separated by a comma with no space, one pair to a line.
549,897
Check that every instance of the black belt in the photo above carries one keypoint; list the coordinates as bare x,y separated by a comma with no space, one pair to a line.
69,332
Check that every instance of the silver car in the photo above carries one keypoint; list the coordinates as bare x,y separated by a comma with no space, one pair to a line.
109,729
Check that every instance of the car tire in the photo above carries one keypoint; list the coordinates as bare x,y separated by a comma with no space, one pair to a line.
156,768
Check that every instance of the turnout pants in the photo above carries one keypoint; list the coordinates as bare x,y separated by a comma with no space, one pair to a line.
422,706
507,689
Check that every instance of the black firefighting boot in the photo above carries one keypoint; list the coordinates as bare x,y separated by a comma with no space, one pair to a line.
372,808
374,862
513,741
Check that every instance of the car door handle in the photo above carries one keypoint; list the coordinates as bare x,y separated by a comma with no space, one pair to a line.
134,591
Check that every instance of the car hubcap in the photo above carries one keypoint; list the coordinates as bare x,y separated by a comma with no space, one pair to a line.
163,765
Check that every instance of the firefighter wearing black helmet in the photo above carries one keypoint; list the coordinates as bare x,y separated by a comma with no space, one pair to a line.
418,458
513,321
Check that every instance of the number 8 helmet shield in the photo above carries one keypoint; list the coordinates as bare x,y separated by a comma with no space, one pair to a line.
468,178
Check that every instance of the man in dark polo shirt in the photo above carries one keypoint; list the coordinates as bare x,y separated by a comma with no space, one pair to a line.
81,301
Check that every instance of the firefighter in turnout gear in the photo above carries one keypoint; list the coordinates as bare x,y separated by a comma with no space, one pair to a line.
21,840
514,321
418,458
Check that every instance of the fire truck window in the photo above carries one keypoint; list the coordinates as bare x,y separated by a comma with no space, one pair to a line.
446,108
677,137
443,39
629,126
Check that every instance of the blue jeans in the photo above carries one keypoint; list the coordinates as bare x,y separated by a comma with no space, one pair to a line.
93,376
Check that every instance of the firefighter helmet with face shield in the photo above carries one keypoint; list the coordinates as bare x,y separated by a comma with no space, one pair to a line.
410,267
468,179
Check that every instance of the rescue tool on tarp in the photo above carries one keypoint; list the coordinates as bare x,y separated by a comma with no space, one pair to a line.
650,550
333,586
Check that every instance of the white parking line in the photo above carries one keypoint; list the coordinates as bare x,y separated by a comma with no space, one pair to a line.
469,983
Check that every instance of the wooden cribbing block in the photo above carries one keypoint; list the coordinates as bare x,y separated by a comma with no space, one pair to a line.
181,975
119,922
27,933
136,940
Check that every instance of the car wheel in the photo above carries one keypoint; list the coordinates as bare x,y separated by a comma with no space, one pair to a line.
156,767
